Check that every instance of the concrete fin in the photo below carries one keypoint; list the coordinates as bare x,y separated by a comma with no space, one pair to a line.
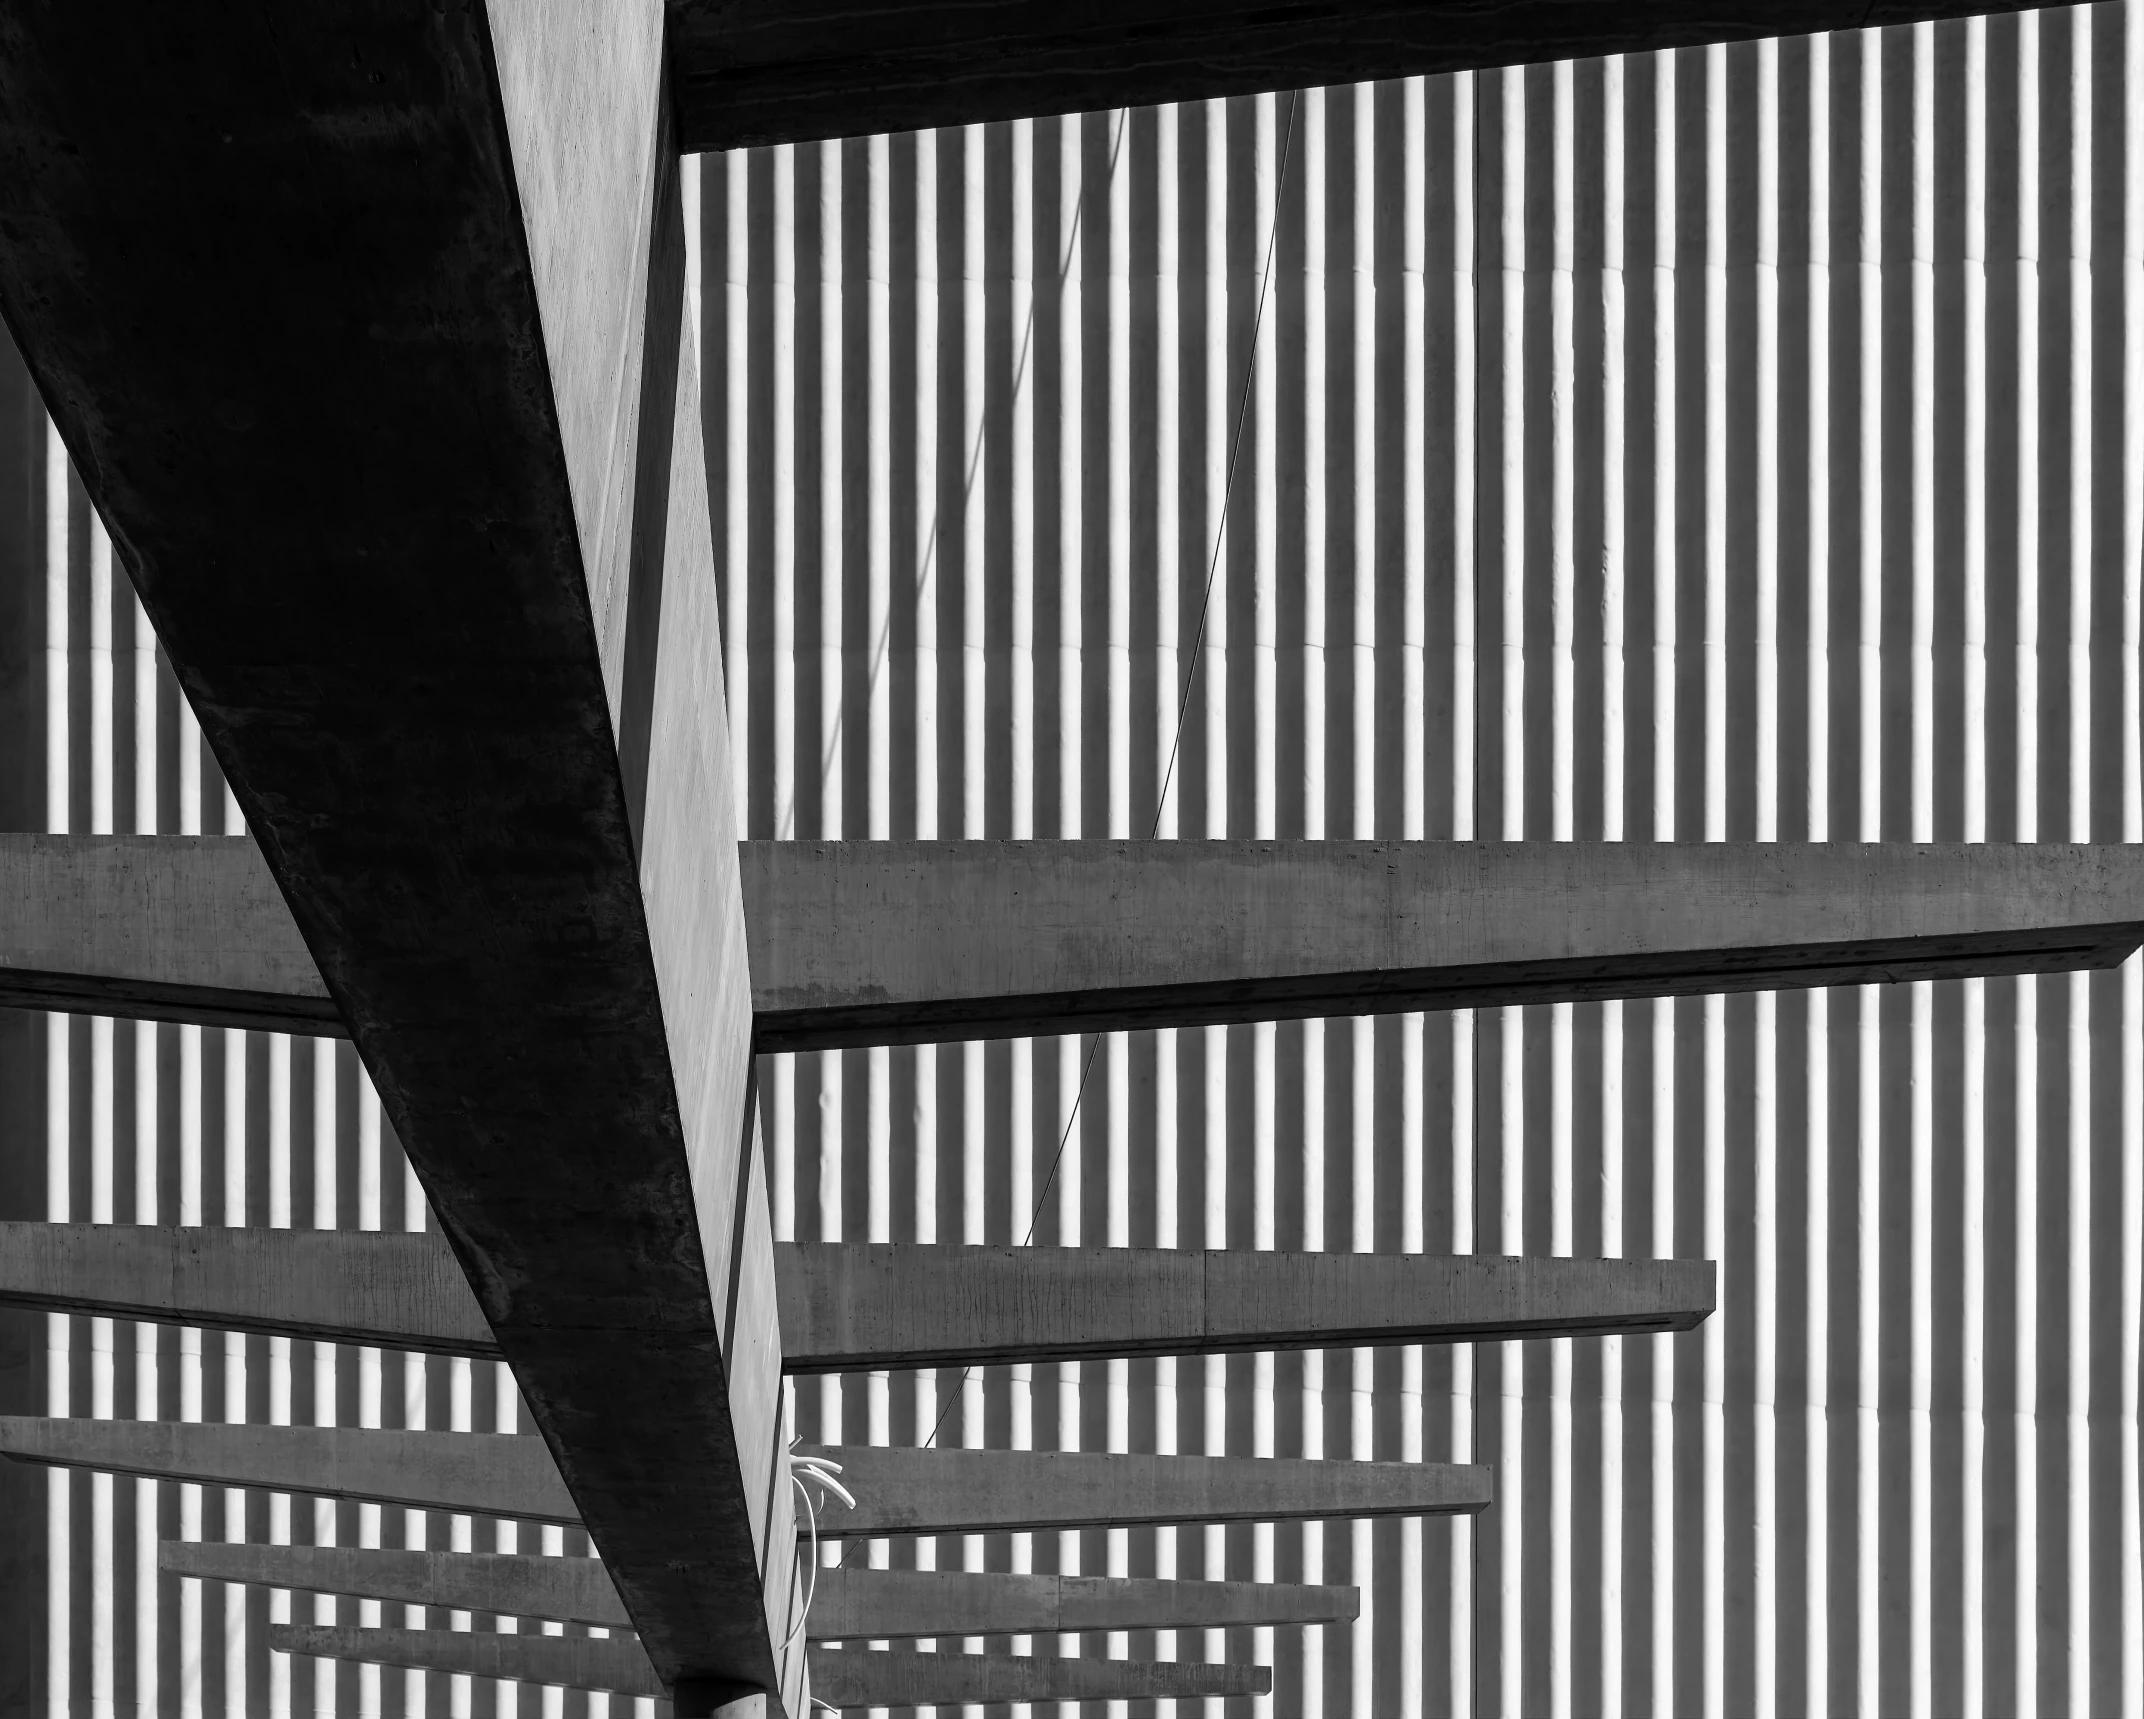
904,1678
852,1603
913,1491
850,1307
572,1590
393,1290
480,1474
570,1662
158,928
864,943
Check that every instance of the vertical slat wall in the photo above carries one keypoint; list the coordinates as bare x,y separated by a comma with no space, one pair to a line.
1734,444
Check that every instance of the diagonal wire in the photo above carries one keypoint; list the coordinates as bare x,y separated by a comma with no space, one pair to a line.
1198,640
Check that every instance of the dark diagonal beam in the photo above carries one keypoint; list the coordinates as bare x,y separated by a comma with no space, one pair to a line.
912,1491
781,71
478,1474
573,1590
399,442
915,942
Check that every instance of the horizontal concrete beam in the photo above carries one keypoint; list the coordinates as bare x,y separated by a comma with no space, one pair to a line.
851,1603
398,1291
912,1491
572,1590
618,1666
904,1678
848,1604
480,1474
854,1306
848,1307
843,1679
160,928
860,943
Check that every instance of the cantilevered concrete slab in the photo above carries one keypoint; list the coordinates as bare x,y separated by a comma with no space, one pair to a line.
848,1603
913,942
165,928
844,1679
398,1291
481,1474
912,1491
851,1603
399,442
854,1678
850,1306
774,71
571,1590
619,1667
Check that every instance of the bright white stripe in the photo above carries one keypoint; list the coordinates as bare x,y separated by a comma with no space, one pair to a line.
1974,1620
1665,592
736,463
2024,1601
974,364
783,524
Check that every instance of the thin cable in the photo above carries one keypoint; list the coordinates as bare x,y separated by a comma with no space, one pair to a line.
1198,639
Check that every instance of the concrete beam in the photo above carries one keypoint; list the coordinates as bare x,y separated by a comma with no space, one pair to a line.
852,1603
848,1307
774,71
904,1678
572,1590
912,1491
480,1474
397,1291
858,943
417,329
159,928
570,1662
841,1679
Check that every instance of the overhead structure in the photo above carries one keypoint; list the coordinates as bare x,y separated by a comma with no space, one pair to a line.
418,323
857,1306
780,71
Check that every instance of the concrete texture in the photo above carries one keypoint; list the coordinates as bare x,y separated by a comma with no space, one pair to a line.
848,1307
399,444
918,942
162,928
572,1590
398,1291
757,71
912,1491
482,1474
572,1662
854,1306
852,1603
854,1678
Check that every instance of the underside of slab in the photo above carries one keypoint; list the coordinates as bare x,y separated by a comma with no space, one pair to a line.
847,1307
571,1590
773,71
852,1603
911,1491
482,1474
619,1667
854,1678
918,942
